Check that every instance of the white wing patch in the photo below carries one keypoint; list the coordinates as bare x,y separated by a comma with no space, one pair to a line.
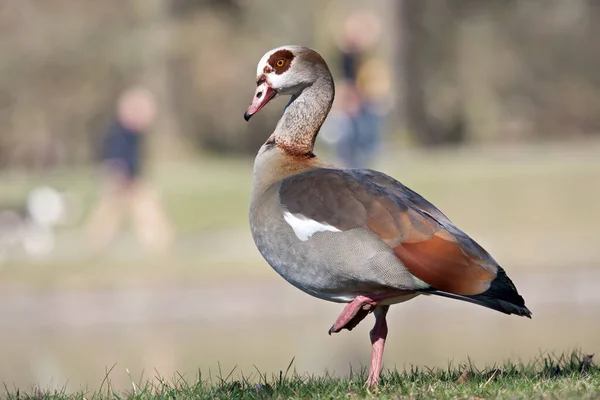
304,227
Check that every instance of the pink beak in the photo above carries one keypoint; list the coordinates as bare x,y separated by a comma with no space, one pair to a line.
264,93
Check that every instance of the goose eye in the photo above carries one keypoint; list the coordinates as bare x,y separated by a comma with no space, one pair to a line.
280,63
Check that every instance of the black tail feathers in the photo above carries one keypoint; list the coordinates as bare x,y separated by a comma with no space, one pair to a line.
501,296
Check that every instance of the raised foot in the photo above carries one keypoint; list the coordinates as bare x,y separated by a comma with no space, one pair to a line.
353,313
360,307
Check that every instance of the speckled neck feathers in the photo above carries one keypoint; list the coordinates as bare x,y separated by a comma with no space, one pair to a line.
304,115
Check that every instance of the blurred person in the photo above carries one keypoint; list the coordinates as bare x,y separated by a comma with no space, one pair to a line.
359,127
123,189
357,117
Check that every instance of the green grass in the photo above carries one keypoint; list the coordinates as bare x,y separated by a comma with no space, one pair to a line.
549,376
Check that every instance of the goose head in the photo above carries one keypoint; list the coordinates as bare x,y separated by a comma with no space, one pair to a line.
286,70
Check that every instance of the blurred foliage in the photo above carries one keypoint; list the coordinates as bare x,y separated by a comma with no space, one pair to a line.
516,69
464,70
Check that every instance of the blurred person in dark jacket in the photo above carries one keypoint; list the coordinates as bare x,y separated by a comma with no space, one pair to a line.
124,190
357,118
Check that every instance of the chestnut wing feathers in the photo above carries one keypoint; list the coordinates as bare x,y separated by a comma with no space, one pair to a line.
421,236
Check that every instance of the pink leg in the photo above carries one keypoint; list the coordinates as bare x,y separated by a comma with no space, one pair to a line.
378,335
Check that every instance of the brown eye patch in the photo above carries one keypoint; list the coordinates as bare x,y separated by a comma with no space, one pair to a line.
281,61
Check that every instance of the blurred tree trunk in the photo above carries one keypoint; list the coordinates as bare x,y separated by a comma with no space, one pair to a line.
427,47
417,120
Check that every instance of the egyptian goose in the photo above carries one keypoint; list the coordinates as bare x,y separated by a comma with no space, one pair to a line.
353,236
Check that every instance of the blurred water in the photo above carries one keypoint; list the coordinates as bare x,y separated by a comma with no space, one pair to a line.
56,339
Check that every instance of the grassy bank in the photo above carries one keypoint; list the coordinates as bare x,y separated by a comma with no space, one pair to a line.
549,376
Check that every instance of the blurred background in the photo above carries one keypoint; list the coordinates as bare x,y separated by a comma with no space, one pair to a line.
125,171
